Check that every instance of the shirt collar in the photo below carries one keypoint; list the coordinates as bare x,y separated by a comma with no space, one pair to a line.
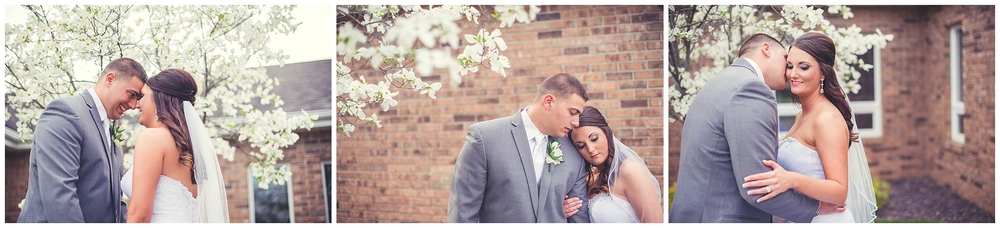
756,69
100,106
529,127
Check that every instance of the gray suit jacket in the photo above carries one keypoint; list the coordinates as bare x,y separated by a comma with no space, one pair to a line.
494,179
73,175
730,128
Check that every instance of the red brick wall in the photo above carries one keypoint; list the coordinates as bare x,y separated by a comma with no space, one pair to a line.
402,172
969,169
916,139
305,158
15,182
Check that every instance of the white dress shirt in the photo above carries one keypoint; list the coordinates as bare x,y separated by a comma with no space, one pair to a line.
537,142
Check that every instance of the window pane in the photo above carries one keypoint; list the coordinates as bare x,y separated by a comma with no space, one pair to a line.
785,123
271,205
957,51
864,120
961,121
867,80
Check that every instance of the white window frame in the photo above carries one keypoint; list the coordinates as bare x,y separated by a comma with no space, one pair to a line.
955,73
873,107
253,187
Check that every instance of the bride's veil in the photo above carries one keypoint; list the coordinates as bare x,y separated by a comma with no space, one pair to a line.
213,207
624,153
860,192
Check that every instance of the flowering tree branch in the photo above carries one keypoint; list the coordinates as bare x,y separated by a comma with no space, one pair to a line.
60,50
402,43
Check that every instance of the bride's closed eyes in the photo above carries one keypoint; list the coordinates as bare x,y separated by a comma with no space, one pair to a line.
593,138
803,66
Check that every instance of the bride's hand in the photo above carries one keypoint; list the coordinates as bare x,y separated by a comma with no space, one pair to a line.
571,205
770,183
830,208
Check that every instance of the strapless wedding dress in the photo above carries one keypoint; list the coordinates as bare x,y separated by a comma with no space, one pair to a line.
173,203
607,208
795,157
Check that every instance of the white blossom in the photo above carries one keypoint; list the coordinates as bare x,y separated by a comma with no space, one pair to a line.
62,53
406,42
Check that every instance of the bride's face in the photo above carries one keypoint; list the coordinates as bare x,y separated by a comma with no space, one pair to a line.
147,108
592,144
802,72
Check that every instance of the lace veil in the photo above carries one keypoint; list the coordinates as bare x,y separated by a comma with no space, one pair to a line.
624,153
213,207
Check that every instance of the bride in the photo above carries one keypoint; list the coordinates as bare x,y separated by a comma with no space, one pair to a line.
175,176
821,156
620,187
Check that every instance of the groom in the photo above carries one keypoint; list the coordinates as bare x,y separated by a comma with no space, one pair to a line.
503,173
731,127
75,169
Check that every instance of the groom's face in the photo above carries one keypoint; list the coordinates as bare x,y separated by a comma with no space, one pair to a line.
564,115
774,74
123,95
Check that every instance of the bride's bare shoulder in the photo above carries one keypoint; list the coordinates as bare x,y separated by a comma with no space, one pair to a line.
630,169
153,137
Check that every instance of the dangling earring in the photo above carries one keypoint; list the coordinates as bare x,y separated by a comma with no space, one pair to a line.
156,117
821,86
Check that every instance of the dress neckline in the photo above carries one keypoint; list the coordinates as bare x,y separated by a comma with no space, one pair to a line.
797,142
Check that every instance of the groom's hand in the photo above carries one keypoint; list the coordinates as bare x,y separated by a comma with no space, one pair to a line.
571,205
829,208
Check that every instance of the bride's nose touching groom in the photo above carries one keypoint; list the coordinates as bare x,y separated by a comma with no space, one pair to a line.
76,172
553,161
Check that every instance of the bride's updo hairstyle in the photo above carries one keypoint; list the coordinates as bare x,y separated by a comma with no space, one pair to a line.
590,116
821,47
170,89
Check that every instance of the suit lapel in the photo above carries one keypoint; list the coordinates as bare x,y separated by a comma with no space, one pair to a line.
109,151
524,151
545,183
96,117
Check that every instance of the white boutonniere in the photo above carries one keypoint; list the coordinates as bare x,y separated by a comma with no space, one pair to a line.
555,155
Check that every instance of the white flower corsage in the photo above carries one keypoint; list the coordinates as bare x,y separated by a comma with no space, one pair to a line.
555,155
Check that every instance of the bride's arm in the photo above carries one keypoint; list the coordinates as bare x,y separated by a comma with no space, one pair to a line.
146,169
831,144
640,193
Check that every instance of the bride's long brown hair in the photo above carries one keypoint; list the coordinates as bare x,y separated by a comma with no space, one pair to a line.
170,89
590,116
821,47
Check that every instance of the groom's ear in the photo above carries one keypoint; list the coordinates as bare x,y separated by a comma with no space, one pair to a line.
766,49
109,78
547,101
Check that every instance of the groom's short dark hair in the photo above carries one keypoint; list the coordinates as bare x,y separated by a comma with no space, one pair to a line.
125,68
562,86
754,41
